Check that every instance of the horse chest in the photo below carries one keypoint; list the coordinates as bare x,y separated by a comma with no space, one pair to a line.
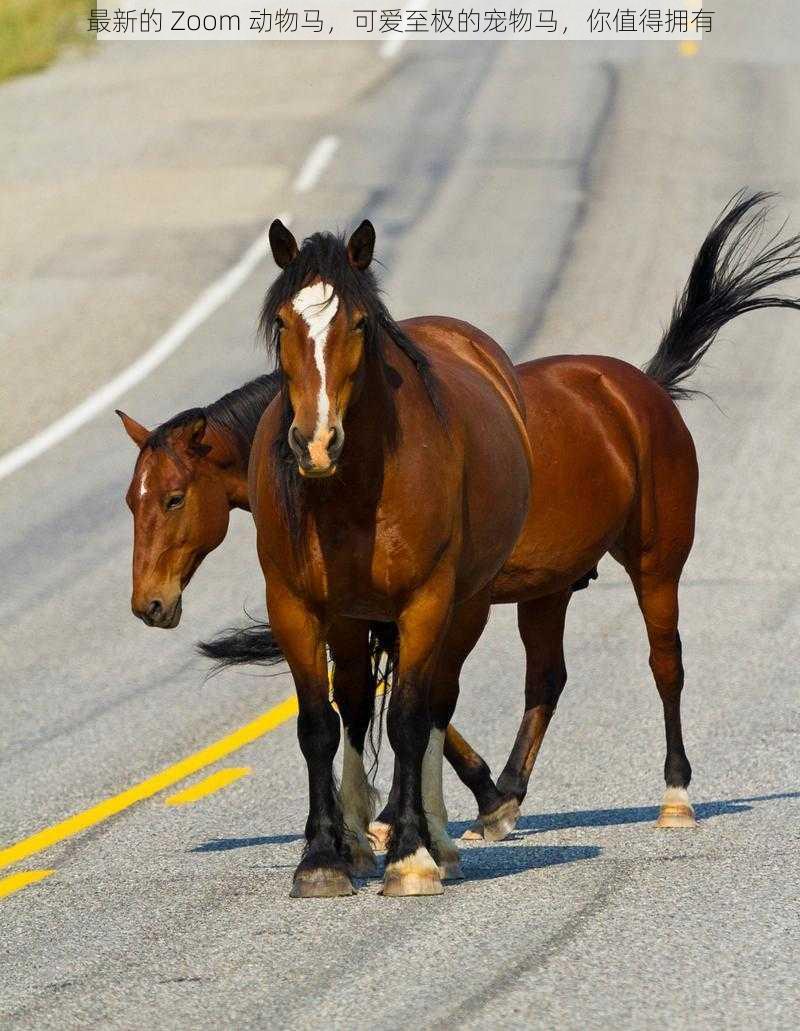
363,569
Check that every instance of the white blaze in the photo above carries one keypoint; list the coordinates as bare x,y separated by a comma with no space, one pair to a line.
143,484
317,306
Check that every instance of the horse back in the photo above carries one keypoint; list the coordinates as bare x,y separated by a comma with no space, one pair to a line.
445,336
609,444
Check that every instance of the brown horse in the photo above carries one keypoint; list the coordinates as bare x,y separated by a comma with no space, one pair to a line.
567,386
388,482
190,472
615,472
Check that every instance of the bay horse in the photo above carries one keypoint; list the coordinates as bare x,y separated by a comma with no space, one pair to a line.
615,471
389,481
190,473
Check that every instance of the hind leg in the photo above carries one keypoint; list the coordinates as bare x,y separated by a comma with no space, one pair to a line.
658,600
354,694
541,626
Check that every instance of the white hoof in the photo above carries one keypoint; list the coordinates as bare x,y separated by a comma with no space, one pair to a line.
414,875
676,811
499,824
474,833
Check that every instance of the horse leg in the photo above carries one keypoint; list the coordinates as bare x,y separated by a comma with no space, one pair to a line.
541,626
410,867
381,827
473,772
468,623
658,600
466,626
324,869
354,694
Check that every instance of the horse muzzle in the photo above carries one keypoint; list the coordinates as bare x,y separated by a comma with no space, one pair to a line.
155,613
316,458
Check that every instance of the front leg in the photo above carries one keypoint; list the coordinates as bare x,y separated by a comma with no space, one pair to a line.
410,867
354,693
324,870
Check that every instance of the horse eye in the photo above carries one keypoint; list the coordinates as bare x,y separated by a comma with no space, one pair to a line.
174,501
360,323
278,323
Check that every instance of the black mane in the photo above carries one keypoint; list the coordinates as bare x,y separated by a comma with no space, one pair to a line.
237,412
324,256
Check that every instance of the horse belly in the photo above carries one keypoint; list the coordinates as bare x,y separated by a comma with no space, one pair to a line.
584,486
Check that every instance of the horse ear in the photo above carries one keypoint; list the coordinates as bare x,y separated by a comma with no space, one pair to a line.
134,429
190,437
361,246
283,244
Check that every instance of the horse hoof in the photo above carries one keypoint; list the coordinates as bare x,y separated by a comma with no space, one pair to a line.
378,835
676,810
450,870
676,816
499,824
474,833
321,883
363,865
415,875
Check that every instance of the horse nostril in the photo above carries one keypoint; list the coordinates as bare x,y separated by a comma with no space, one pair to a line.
154,609
336,443
297,440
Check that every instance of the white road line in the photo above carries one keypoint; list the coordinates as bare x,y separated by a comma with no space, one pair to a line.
316,163
391,47
205,305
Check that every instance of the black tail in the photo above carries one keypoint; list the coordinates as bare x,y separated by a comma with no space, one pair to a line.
727,277
239,645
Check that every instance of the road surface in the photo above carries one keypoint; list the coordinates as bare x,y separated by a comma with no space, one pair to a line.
554,195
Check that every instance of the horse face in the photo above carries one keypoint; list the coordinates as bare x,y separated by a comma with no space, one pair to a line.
321,354
180,513
321,348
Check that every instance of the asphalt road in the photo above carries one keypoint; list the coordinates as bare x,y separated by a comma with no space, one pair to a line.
555,196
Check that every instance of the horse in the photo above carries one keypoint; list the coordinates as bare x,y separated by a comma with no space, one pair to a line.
388,481
711,298
615,471
191,471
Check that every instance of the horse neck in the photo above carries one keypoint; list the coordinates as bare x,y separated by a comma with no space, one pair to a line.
370,424
230,460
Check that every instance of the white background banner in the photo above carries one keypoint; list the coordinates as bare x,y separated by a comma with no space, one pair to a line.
354,20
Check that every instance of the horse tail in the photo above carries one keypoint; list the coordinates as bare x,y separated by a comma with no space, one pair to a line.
731,270
383,641
238,646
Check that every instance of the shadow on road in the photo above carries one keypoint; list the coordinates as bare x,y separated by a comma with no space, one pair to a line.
226,844
501,860
541,822
495,861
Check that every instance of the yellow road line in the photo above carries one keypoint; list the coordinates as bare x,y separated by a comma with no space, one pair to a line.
214,782
38,842
15,881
